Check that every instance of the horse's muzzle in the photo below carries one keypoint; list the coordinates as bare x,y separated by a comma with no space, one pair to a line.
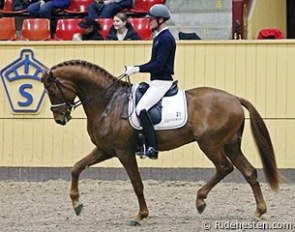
64,120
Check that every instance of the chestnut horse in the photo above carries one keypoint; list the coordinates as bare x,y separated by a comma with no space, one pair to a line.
215,121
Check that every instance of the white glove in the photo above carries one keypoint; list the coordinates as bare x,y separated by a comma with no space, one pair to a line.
129,70
42,3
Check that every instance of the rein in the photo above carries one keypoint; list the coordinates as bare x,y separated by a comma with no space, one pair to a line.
72,106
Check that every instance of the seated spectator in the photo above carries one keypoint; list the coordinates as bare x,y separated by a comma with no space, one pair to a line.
108,8
45,8
1,4
90,28
121,29
20,4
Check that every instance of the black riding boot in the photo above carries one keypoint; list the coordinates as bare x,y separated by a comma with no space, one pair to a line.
150,135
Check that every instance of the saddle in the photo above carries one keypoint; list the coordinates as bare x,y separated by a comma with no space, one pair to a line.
156,111
169,113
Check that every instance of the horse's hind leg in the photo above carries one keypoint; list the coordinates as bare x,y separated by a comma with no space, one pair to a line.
94,157
223,168
238,159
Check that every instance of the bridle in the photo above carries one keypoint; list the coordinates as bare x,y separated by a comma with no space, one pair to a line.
66,105
69,107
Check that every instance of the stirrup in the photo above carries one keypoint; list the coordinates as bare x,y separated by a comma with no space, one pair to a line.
141,152
151,152
141,146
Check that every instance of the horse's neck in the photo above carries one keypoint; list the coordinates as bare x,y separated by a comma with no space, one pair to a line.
96,84
99,104
96,92
84,80
95,88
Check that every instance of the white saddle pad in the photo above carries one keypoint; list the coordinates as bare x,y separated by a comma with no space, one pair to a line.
174,111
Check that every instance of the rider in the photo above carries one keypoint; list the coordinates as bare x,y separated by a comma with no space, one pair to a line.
161,68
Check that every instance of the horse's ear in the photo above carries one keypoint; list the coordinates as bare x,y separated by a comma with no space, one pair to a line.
47,76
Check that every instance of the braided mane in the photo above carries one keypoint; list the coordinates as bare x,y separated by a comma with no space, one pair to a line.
84,63
88,65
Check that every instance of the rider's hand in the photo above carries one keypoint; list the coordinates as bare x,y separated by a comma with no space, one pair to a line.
129,70
42,2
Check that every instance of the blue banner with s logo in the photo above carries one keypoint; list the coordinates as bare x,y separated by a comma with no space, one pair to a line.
22,83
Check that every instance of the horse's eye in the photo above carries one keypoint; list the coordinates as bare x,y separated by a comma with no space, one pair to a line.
51,92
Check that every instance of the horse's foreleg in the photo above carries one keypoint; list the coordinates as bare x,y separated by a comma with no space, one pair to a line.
250,174
94,157
223,168
129,162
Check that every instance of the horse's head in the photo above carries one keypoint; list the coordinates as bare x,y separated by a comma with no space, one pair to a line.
61,94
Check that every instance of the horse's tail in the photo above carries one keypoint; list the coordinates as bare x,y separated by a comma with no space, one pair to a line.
264,145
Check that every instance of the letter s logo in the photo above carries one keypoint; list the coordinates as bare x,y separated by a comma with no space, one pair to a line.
25,94
22,82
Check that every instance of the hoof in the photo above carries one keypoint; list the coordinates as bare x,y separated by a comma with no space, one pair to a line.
78,209
201,208
133,223
257,217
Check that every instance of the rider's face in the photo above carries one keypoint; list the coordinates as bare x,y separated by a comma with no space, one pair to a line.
153,23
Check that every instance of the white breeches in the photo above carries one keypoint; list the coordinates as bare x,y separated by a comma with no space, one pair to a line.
154,94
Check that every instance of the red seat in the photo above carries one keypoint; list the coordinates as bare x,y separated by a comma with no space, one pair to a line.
142,27
8,10
36,29
270,33
78,7
105,25
66,28
7,29
143,6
